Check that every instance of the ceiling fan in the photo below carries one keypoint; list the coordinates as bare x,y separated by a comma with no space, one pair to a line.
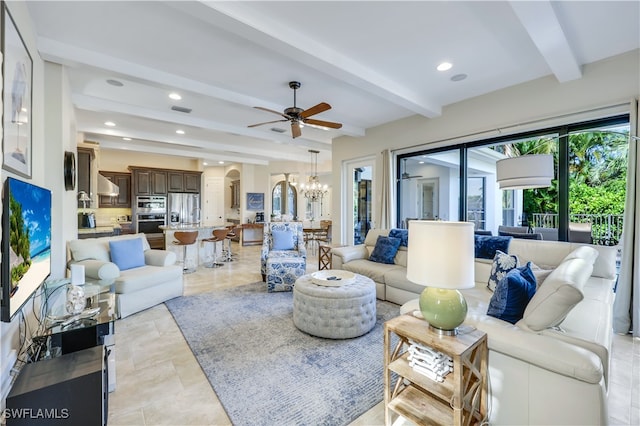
299,116
406,175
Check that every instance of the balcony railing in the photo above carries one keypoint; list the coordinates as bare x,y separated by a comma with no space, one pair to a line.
606,229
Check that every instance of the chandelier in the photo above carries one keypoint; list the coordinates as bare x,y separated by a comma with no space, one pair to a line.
313,189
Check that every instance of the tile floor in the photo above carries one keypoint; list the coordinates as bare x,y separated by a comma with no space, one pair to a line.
159,380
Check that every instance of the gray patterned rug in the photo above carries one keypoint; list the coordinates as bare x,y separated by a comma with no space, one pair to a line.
267,372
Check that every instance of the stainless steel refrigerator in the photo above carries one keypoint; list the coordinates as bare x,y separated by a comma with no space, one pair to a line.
184,208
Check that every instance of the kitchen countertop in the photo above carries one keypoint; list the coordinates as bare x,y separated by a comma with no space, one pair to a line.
99,229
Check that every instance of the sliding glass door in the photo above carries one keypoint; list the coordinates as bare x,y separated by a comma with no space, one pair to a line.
429,187
584,202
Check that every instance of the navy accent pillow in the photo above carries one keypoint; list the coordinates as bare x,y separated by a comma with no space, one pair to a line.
512,294
281,240
403,234
385,249
127,254
502,263
486,246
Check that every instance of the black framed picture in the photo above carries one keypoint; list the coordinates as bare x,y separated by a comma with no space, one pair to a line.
255,200
17,69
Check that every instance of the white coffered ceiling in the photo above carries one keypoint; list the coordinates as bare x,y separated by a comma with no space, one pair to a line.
374,62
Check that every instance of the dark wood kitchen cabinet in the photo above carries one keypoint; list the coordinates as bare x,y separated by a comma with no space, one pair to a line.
83,167
180,181
149,182
123,199
192,182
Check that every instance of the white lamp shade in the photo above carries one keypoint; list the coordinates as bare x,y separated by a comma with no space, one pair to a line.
525,171
441,254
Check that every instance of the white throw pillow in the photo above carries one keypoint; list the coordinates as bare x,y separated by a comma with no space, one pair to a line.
589,254
562,290
541,273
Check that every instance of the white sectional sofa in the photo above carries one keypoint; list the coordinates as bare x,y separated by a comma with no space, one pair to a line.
538,374
138,288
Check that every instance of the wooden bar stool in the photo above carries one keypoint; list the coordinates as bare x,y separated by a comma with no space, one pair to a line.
185,239
233,232
219,235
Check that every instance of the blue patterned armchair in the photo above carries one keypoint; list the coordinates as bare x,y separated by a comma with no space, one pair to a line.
284,257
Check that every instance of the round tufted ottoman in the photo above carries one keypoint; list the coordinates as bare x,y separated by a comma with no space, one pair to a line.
334,312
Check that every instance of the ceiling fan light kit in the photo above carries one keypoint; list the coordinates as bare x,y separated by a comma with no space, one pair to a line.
298,116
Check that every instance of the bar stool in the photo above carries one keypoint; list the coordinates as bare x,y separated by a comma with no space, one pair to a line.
184,239
219,235
231,234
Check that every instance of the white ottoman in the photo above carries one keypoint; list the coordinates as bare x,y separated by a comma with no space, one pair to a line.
340,312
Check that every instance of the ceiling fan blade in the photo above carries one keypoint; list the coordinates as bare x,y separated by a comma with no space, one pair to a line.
295,129
329,124
321,107
273,111
266,122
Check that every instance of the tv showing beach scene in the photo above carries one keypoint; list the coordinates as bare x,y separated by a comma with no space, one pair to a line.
26,243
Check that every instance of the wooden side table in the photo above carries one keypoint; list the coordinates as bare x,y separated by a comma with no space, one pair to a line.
460,400
324,255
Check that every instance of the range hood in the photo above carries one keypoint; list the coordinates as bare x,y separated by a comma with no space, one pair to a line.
106,187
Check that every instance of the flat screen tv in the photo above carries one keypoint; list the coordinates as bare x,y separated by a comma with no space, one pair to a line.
26,243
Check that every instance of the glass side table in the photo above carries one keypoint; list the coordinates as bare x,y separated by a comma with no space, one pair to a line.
94,326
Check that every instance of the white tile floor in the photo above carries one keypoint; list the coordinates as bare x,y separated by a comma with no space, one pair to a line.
159,380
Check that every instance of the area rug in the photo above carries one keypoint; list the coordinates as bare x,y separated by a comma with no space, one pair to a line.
267,372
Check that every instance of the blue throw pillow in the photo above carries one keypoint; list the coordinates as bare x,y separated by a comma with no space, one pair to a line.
403,234
282,240
512,294
385,249
127,254
502,263
486,246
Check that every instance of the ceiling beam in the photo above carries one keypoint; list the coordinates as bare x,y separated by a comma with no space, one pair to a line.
541,22
91,103
106,142
143,141
65,54
242,20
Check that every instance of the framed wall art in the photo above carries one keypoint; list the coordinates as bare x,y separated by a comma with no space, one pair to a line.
17,70
255,200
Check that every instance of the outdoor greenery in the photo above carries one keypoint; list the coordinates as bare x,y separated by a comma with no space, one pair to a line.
19,241
597,173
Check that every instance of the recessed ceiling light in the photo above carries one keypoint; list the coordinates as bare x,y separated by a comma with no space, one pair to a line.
126,139
458,77
444,66
109,123
115,82
204,163
420,162
220,162
175,96
180,132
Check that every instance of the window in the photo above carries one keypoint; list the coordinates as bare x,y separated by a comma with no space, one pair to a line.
279,206
584,203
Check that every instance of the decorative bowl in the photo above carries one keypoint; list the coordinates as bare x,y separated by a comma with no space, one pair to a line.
333,277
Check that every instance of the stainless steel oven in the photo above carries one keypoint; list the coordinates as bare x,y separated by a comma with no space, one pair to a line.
150,223
151,204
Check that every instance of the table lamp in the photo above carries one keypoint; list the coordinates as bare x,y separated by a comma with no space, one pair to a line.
440,256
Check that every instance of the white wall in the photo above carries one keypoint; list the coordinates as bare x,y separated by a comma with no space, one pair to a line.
516,109
50,138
